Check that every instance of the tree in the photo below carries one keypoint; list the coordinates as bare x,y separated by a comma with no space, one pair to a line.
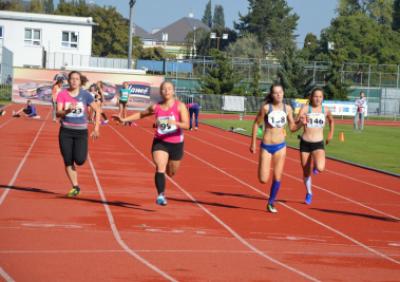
293,75
12,5
349,7
219,18
396,15
246,46
219,78
36,6
272,21
310,47
49,6
207,17
381,11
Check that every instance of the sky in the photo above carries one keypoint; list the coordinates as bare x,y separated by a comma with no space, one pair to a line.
154,14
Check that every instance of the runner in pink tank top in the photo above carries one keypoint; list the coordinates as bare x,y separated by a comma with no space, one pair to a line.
167,149
164,131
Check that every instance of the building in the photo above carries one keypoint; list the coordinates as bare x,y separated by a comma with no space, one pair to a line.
34,39
173,38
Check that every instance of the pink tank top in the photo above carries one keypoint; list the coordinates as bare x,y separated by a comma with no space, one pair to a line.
165,132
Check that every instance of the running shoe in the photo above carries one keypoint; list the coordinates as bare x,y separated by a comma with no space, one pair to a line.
196,128
161,200
74,192
271,208
315,171
308,199
2,113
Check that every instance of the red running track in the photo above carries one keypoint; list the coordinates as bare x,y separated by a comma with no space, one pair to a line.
214,228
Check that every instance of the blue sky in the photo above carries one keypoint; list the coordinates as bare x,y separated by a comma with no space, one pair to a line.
151,14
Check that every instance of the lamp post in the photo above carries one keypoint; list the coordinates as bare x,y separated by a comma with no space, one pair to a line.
131,5
213,35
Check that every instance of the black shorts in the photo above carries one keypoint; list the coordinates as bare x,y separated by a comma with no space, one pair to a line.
174,150
73,145
309,147
123,102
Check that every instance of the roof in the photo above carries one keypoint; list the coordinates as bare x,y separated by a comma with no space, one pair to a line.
139,31
178,30
46,18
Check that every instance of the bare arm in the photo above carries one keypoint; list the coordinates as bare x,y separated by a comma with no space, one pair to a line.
294,125
331,125
184,123
139,115
95,107
257,121
61,112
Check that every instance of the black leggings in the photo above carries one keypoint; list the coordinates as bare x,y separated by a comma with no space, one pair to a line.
73,145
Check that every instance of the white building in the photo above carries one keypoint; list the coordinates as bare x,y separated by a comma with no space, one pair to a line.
34,38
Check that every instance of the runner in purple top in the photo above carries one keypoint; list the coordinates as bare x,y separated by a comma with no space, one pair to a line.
72,105
194,110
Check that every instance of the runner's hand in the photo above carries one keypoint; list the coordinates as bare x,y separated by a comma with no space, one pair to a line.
253,148
95,134
117,118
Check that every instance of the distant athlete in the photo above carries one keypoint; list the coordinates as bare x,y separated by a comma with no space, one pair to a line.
29,111
123,100
194,110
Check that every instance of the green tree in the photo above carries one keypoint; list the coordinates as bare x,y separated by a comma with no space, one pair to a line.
219,18
396,15
246,46
272,21
293,75
219,78
310,47
381,11
49,6
36,6
12,5
349,7
207,17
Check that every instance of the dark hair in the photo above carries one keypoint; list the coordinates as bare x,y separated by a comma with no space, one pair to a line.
315,90
93,85
268,98
83,78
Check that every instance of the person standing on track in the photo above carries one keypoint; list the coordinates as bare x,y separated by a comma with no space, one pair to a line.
167,149
275,114
312,149
54,93
72,106
194,110
99,99
123,99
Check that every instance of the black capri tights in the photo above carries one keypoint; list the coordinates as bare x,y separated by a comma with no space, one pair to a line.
73,145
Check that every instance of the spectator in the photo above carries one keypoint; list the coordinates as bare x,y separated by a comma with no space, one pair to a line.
361,105
29,111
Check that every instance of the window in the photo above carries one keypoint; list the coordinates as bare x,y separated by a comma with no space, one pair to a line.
1,32
69,39
32,36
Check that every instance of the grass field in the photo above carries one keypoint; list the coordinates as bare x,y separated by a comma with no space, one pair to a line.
376,146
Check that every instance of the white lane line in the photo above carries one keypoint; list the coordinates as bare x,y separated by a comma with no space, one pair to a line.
116,233
298,161
297,211
5,275
301,180
21,164
221,222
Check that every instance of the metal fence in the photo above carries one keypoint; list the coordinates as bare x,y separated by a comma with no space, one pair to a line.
382,102
61,60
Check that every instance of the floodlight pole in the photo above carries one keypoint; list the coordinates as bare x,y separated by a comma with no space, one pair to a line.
131,6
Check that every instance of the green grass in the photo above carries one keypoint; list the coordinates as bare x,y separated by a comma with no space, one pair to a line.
377,146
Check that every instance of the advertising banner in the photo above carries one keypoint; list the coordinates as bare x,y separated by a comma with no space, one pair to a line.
36,84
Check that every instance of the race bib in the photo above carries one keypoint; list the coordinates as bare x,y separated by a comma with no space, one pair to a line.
163,126
315,120
79,109
277,119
